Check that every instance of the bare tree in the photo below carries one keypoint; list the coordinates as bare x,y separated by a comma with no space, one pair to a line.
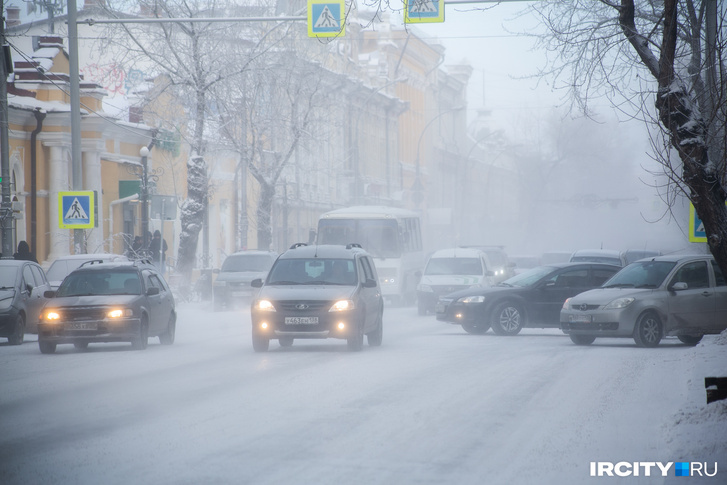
669,53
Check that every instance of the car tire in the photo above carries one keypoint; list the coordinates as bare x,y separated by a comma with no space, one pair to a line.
476,328
582,339
141,342
80,345
19,334
167,338
507,319
286,341
375,337
46,347
648,330
690,340
355,341
260,344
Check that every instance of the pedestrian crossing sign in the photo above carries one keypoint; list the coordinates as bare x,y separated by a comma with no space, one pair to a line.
697,233
423,11
76,210
326,18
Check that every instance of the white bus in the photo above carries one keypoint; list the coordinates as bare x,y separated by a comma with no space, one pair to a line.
392,236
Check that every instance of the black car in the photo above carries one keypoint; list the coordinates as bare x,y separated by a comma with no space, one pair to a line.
318,292
108,302
22,288
531,299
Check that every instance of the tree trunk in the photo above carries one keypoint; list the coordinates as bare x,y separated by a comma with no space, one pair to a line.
192,216
264,217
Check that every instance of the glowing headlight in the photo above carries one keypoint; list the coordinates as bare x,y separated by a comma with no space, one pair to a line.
424,288
619,303
566,305
472,299
265,306
342,306
120,313
51,315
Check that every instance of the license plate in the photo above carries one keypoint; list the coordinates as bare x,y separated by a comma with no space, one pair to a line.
82,326
580,318
301,320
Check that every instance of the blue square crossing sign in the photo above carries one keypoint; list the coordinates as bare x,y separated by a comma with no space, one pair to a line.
76,210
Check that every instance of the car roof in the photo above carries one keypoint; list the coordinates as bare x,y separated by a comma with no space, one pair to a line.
598,252
456,253
91,256
106,265
678,258
582,263
15,262
322,251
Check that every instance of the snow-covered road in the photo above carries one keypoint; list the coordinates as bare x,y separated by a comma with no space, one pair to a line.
432,405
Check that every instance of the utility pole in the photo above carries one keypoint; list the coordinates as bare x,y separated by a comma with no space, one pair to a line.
77,169
6,212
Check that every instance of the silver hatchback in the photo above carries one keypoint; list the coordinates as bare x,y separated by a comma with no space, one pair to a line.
676,295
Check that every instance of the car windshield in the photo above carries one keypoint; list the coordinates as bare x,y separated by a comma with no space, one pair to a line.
7,277
247,262
89,283
316,271
453,266
647,274
529,277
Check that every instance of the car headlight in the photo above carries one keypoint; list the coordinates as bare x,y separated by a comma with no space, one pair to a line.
120,313
5,304
342,306
619,303
472,299
566,306
265,306
51,316
424,288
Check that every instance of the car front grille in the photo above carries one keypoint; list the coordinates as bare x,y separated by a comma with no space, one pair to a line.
79,314
303,305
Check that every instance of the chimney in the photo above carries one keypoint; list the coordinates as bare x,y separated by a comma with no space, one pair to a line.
13,16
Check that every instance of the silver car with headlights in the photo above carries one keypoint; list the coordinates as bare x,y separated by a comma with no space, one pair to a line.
676,295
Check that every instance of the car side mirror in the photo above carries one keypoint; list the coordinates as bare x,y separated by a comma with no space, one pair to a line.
49,293
257,283
152,291
370,283
679,286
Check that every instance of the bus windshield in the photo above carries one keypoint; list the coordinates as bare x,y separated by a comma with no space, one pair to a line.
377,236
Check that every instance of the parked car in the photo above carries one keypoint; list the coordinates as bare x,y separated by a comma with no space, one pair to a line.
62,266
321,291
121,301
631,255
607,256
450,270
676,295
22,295
550,257
531,299
232,285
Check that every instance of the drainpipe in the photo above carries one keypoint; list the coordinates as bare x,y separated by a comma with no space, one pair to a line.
111,217
39,117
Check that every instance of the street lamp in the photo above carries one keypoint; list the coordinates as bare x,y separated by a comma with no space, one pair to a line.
144,196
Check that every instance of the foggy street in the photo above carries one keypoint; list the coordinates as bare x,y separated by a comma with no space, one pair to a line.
433,404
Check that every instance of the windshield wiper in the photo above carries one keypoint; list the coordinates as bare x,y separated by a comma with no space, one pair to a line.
317,282
646,285
284,282
502,283
7,287
620,285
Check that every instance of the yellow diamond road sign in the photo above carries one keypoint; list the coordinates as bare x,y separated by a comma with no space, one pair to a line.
326,18
423,11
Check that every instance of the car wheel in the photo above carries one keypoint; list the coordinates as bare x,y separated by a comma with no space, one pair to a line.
507,319
17,337
421,308
375,337
647,332
260,344
46,347
167,338
80,345
476,328
582,339
286,341
690,340
142,340
355,341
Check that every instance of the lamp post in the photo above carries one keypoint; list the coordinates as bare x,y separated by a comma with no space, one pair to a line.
144,196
